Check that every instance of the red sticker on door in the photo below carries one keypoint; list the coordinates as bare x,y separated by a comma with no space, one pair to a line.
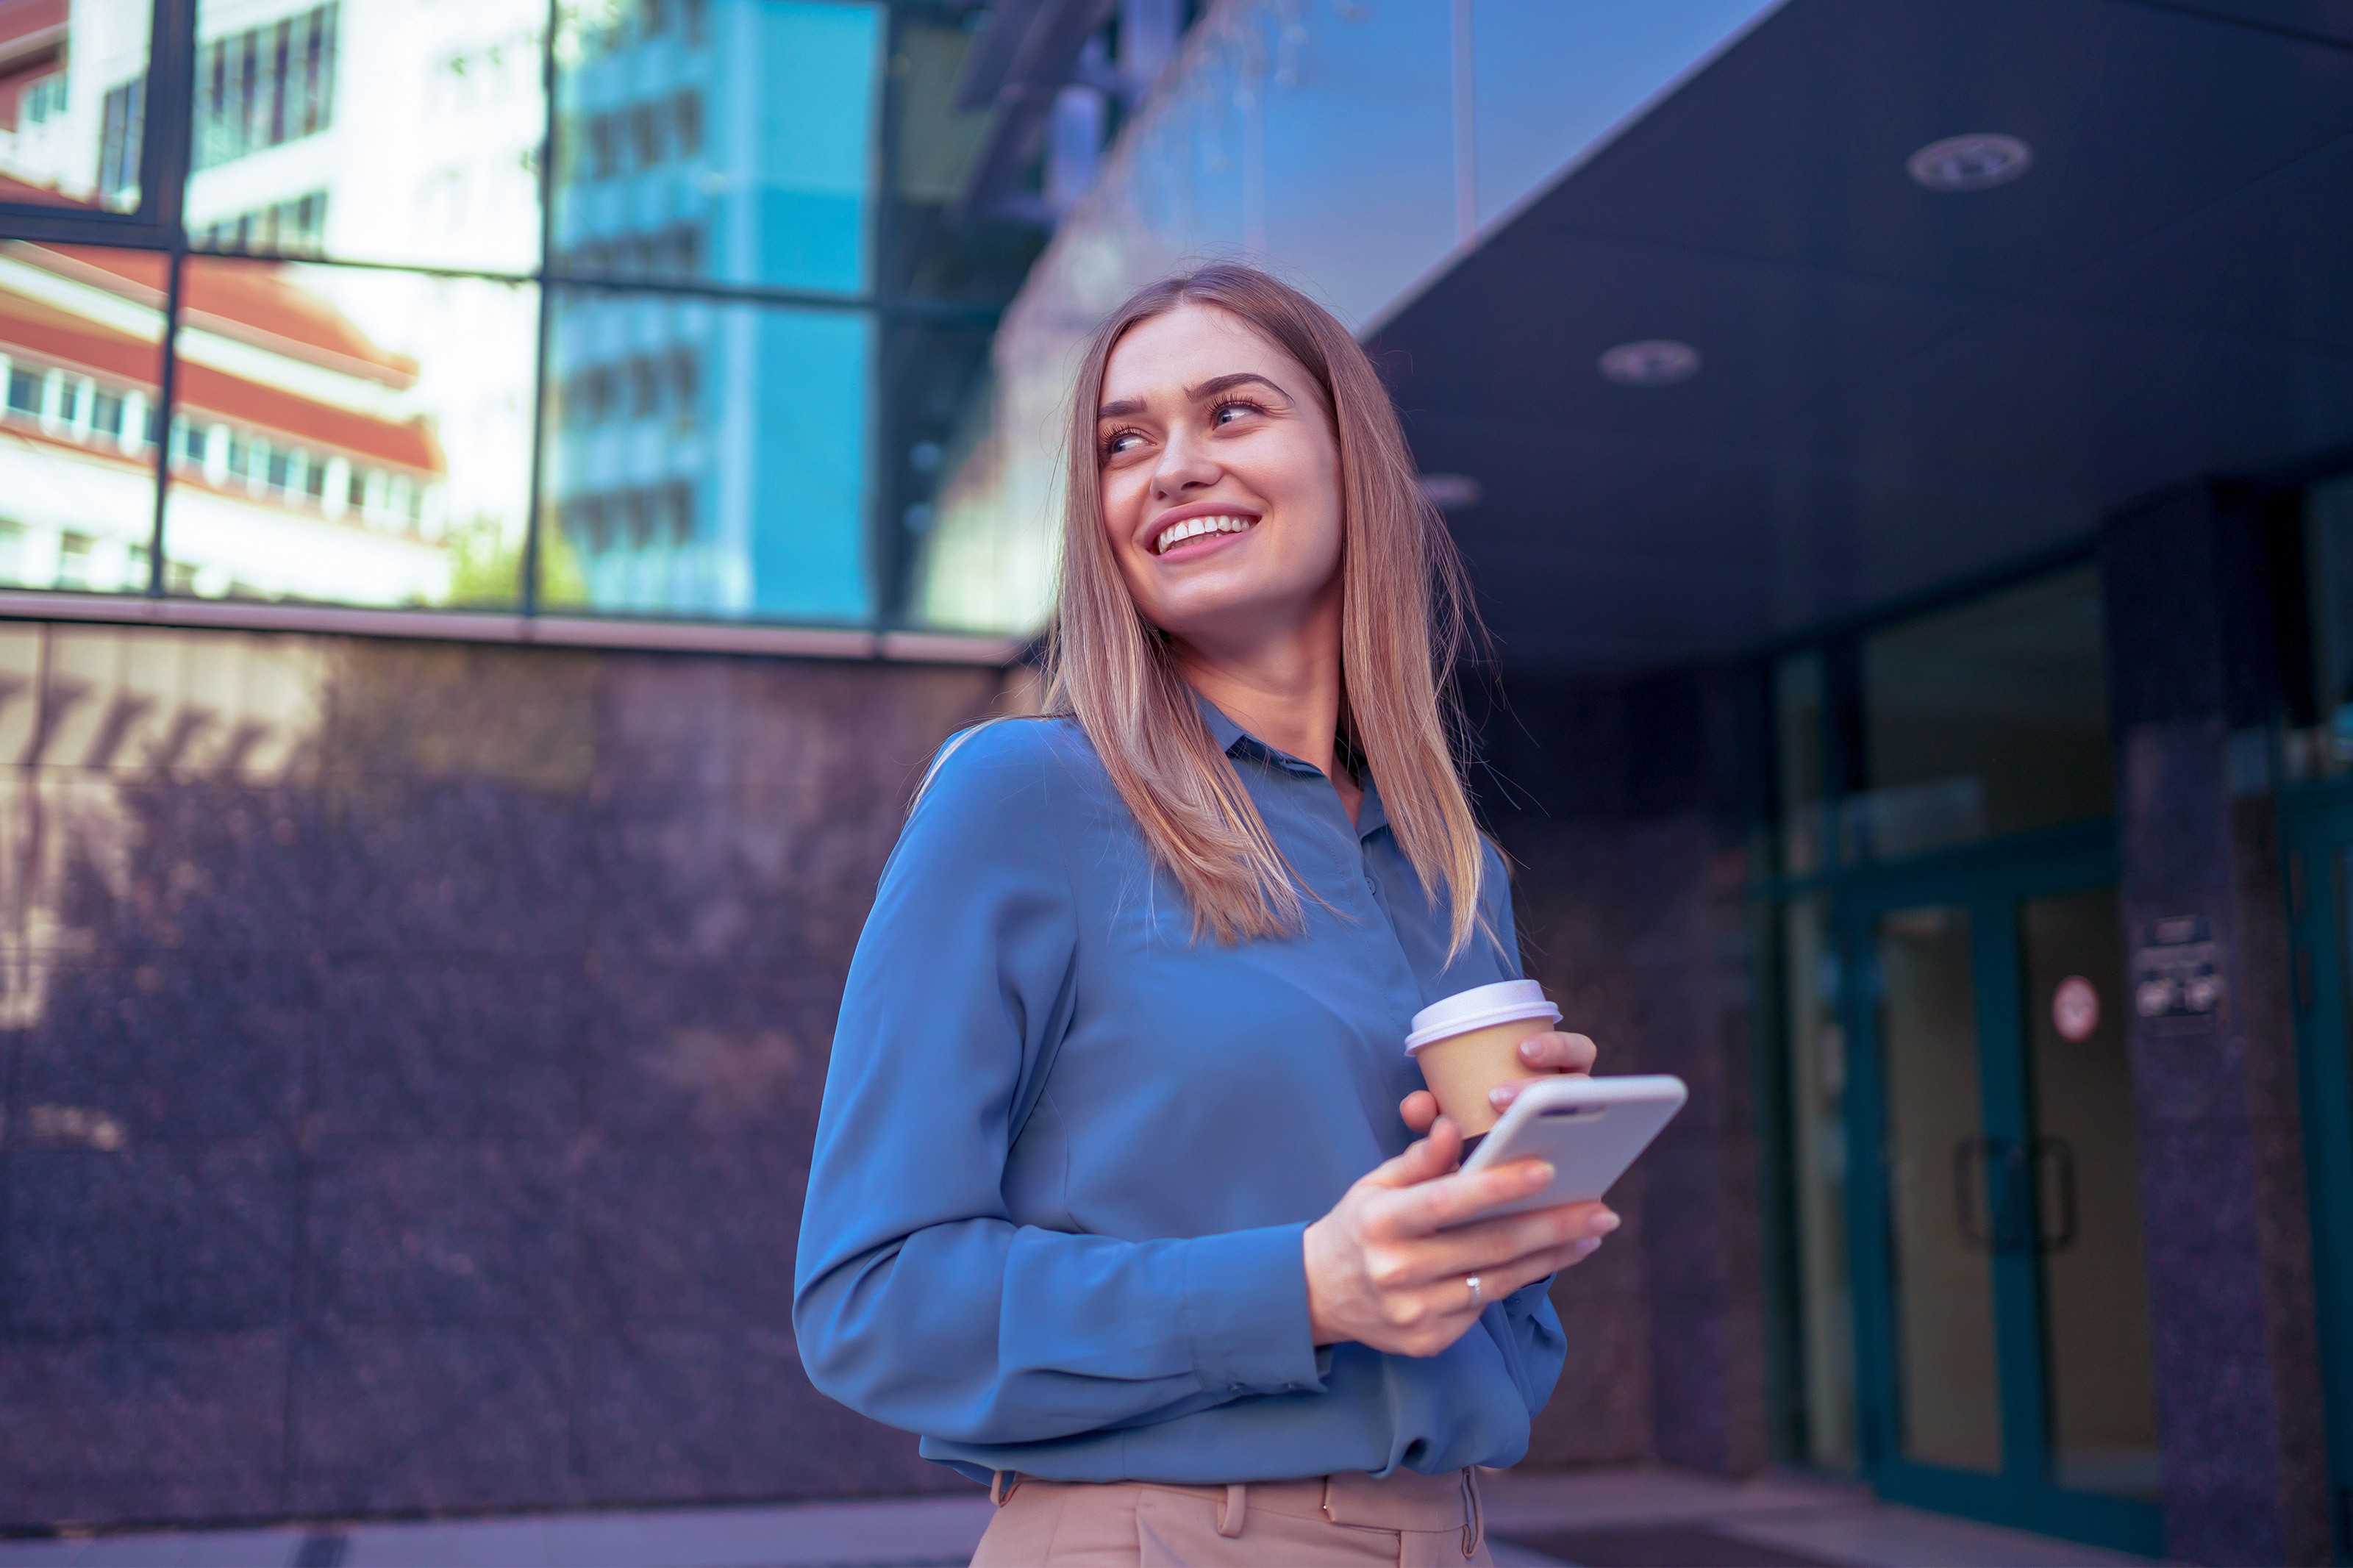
2075,1008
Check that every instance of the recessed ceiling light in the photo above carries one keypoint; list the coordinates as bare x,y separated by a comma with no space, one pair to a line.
1452,492
1977,161
1654,362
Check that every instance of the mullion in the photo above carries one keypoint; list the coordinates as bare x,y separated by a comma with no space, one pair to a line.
527,596
166,396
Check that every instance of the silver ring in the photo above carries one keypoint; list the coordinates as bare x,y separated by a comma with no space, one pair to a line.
1478,1294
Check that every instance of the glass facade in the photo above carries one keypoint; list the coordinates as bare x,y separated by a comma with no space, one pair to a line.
667,298
1360,146
2323,747
1985,719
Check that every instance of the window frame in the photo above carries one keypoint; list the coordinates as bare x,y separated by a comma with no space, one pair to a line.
163,159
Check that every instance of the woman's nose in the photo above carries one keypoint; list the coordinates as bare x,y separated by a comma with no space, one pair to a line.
1182,468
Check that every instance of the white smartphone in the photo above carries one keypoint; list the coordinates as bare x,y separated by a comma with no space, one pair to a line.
1590,1129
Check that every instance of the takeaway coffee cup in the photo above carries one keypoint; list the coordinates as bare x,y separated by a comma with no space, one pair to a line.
1470,1042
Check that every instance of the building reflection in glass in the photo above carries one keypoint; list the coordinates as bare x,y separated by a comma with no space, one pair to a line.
706,457
383,131
72,102
726,139
81,361
357,435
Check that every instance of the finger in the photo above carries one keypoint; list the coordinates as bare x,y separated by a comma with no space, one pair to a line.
1432,1206
1419,1109
1492,1246
1424,1161
1521,1273
1557,1052
1502,1096
1450,1296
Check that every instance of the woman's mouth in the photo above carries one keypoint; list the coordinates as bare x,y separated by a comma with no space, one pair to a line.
1186,530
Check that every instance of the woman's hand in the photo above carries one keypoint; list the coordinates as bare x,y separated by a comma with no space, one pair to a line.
1379,1271
1554,1052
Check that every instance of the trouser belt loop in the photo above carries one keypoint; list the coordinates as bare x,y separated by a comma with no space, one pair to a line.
1474,1522
1236,1510
1002,1484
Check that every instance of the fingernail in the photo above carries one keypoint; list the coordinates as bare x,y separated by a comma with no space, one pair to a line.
1539,1175
1502,1094
1603,1223
1585,1248
1528,1051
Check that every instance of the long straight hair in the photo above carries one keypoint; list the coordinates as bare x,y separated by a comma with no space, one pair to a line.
1405,614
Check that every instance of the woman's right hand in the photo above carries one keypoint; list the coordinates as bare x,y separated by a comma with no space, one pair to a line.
1381,1272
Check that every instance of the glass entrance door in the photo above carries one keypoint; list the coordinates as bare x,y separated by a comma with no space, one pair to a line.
2002,1328
2318,832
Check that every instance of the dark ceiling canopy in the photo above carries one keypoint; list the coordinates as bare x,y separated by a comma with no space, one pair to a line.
1899,388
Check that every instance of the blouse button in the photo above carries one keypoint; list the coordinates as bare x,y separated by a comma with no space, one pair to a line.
1372,884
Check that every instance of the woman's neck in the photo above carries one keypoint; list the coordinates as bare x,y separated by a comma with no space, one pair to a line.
1284,688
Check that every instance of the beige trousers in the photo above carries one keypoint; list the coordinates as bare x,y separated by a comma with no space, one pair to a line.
1408,1520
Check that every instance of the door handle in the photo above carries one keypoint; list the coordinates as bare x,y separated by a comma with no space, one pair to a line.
1970,1158
2056,1157
2000,1163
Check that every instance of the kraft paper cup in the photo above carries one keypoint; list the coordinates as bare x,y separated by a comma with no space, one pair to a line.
1469,1043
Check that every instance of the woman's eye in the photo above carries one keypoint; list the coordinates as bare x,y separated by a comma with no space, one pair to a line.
1224,409
1120,443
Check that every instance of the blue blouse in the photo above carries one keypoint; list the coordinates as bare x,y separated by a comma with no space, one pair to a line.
1067,1152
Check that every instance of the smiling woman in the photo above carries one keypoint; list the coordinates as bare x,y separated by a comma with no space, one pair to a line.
1227,395
1122,1207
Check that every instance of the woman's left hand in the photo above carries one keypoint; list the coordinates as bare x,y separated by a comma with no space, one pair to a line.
1554,1052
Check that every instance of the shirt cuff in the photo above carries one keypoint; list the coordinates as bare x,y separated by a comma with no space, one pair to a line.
1245,1312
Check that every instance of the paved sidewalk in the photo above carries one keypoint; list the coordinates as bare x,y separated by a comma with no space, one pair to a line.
1600,1519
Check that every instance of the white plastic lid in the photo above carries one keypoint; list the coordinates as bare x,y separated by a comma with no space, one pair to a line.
1477,1008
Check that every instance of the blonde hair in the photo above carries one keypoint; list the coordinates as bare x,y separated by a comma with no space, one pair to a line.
1404,616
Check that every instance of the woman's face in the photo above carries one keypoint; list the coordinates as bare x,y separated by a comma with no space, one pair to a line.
1220,479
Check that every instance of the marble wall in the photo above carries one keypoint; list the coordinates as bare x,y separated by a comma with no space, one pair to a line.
2227,1236
409,1054
1620,806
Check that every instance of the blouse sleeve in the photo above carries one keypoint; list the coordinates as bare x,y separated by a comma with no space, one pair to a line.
1529,1331
917,1299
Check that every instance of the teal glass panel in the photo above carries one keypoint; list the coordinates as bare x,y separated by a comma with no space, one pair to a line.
706,458
2096,1349
1818,1153
1940,1250
2325,749
723,140
1798,715
1986,719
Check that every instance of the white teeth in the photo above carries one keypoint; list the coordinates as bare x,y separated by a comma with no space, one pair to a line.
1193,528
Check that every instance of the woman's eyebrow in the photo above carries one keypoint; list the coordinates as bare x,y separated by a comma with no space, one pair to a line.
1218,384
1122,407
